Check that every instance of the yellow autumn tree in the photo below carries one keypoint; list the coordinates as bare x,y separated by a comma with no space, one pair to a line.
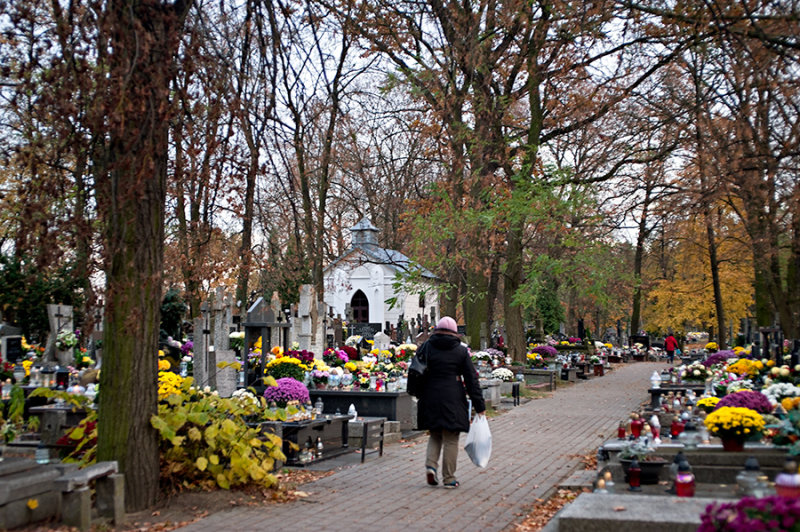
681,295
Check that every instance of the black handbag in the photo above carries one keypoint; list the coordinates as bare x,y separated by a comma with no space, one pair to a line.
416,372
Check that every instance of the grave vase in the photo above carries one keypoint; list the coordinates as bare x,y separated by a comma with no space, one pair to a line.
732,444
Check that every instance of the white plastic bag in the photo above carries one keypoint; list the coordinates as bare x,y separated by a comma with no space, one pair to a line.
479,441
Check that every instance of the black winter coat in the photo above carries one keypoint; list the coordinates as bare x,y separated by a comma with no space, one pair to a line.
448,380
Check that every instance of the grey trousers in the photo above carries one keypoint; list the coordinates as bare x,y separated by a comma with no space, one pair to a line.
443,442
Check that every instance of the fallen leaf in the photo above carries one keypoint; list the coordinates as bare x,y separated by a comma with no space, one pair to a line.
619,508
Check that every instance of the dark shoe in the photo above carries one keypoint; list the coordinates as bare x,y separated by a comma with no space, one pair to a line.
451,485
430,474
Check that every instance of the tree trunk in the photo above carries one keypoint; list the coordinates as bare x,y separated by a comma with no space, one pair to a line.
245,251
515,332
144,38
637,266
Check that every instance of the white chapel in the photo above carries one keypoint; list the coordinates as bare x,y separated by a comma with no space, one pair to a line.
362,280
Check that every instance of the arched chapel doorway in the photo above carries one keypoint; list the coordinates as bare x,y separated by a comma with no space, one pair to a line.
360,305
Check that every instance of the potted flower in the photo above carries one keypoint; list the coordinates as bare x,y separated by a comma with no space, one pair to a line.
747,399
641,450
708,404
733,425
503,374
287,390
320,379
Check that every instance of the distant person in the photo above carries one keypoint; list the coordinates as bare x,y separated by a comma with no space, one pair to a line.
670,345
442,407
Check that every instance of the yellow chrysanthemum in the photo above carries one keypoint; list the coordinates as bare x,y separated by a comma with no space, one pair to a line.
790,403
168,383
27,365
708,402
163,365
160,353
350,366
744,366
734,419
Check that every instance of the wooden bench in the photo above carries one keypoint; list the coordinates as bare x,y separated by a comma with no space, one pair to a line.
372,434
76,495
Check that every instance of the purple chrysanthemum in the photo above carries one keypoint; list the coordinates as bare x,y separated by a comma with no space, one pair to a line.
747,399
288,389
545,351
718,358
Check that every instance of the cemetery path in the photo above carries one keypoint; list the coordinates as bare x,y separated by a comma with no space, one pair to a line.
535,447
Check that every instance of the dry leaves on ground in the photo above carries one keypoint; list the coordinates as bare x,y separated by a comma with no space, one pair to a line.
544,510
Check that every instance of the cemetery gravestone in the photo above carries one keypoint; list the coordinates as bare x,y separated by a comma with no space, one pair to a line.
337,332
366,330
60,318
10,343
203,351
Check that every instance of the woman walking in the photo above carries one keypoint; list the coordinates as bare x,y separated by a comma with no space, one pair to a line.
442,407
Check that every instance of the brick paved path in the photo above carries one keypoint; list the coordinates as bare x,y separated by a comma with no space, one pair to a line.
535,446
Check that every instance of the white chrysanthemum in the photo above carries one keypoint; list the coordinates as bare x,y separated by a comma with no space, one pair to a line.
505,375
780,390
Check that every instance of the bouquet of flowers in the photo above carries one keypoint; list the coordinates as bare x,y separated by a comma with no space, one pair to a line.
320,377
768,513
353,341
236,340
351,352
481,355
288,389
734,422
712,347
246,400
81,359
503,374
66,340
536,360
335,357
404,352
362,379
303,356
695,372
781,374
747,399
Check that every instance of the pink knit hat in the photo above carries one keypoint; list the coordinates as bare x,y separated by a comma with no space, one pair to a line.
447,323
